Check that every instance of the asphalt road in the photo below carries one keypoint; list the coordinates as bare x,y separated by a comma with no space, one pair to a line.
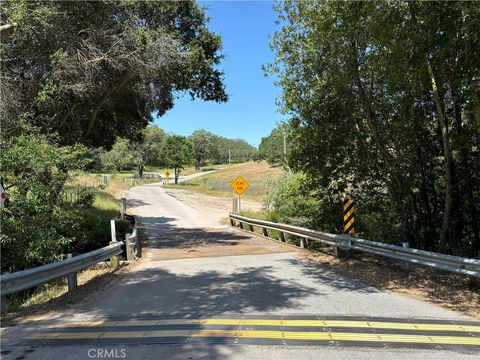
231,295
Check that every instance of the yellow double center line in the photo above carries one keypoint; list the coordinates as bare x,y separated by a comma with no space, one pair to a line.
269,334
287,323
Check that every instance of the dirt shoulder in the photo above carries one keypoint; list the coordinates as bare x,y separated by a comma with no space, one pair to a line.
452,291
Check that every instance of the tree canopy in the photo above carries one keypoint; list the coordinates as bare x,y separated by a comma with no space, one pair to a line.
383,99
177,152
91,71
273,147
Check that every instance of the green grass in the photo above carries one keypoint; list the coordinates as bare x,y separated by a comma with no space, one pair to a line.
106,205
218,183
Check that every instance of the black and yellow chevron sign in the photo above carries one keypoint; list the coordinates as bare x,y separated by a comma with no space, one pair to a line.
348,217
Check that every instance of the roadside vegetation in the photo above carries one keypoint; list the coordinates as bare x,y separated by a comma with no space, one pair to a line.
386,112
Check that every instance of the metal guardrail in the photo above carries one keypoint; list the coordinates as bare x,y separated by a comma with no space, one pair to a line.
451,263
21,280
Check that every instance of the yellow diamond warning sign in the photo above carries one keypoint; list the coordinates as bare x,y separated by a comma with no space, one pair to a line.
167,175
239,185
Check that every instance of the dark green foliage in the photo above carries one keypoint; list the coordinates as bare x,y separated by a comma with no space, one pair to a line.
92,71
33,174
274,148
177,152
203,144
86,198
216,149
384,105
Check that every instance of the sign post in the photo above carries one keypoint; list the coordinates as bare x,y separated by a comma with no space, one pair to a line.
239,185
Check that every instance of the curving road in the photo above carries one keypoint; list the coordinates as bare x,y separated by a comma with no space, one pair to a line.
205,291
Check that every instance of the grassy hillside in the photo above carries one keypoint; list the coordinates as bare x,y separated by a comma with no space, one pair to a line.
218,183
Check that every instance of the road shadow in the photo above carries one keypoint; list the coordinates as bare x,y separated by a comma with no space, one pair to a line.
320,274
161,233
133,203
166,293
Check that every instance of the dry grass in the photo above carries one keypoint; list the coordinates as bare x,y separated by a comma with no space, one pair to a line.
218,183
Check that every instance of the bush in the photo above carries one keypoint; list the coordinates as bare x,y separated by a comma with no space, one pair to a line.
287,201
34,173
86,197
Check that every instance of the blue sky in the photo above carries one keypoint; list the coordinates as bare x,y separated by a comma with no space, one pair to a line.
251,112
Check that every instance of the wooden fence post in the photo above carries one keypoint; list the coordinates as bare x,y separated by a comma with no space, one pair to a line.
114,260
123,208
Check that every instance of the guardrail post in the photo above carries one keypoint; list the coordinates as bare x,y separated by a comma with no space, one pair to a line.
282,236
250,227
138,245
114,260
234,205
71,278
241,225
342,251
128,249
303,243
265,232
232,222
123,208
404,264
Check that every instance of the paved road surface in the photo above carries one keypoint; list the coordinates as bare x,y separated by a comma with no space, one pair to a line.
205,291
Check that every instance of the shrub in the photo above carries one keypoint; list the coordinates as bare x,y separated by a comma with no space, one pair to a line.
86,197
34,173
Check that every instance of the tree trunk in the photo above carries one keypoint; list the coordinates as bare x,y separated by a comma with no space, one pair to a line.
99,104
140,168
70,111
399,195
369,111
448,161
177,173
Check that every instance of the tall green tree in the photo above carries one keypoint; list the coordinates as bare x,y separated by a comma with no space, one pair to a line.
203,147
382,99
120,157
177,152
93,71
148,149
274,147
